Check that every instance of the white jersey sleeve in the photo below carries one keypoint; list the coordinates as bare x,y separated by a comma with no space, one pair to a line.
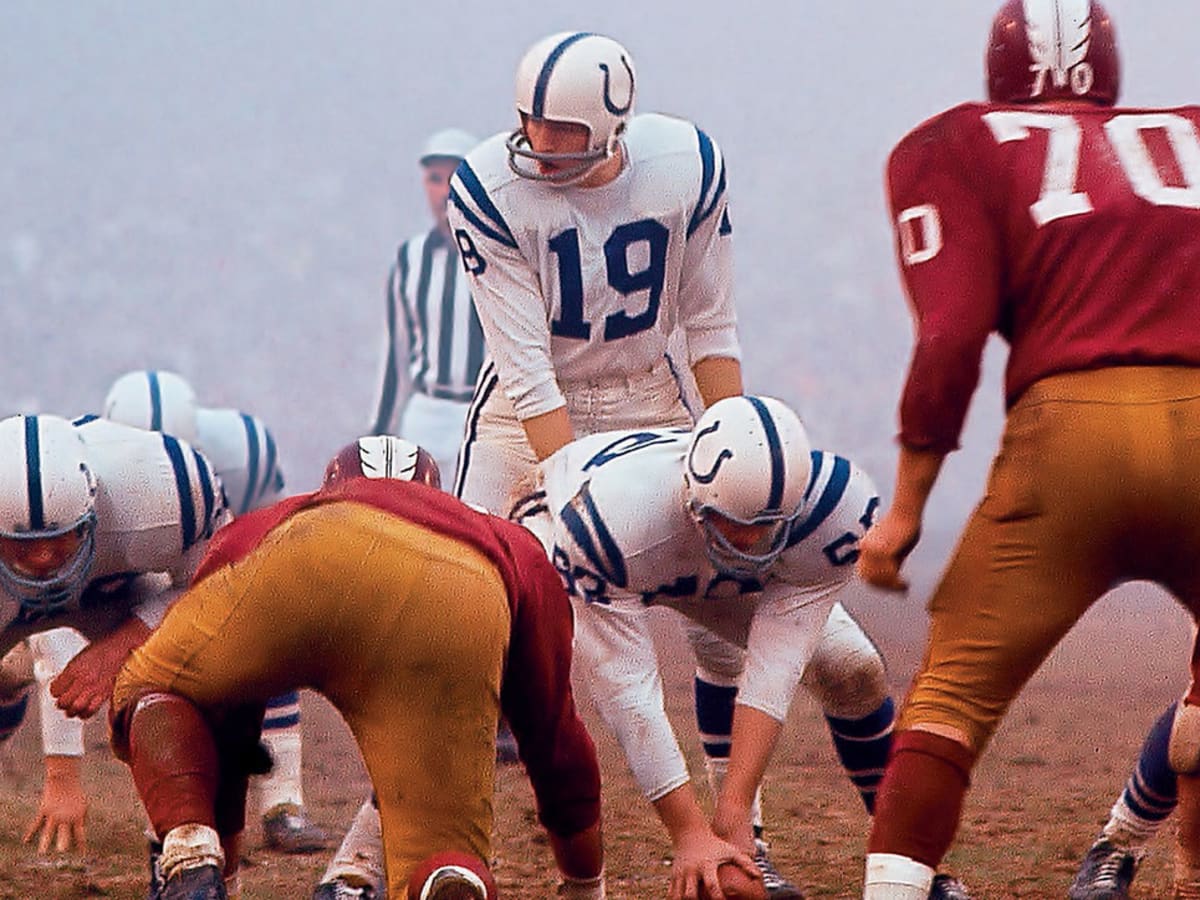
576,285
819,561
242,450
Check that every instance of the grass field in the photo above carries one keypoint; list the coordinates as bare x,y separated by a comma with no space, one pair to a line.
1038,798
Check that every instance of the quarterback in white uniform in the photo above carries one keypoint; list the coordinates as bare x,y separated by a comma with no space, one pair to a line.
100,527
593,239
655,517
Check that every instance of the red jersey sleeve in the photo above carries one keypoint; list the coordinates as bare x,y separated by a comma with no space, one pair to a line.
947,244
537,699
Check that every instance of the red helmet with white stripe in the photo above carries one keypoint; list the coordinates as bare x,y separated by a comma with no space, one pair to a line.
1053,50
383,456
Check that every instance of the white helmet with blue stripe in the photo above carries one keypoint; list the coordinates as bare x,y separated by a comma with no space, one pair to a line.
153,400
47,512
747,469
578,77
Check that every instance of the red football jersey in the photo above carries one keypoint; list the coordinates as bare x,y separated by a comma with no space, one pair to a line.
1072,230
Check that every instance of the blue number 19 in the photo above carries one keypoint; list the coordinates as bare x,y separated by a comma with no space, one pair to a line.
565,246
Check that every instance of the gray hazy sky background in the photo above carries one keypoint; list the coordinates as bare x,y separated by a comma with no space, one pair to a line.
218,187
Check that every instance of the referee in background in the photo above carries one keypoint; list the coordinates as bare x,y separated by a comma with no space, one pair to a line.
434,344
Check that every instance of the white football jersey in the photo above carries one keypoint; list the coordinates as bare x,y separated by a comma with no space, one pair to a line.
611,511
242,450
574,285
158,501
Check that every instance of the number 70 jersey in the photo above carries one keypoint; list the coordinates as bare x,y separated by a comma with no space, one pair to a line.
612,515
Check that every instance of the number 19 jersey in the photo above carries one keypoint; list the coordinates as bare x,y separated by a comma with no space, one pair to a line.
576,285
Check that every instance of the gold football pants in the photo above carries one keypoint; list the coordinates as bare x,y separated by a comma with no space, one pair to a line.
403,629
1097,482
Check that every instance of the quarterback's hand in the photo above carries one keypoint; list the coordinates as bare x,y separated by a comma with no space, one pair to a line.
60,817
697,856
87,681
884,548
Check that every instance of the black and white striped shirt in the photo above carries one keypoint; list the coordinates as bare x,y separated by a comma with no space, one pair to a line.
432,324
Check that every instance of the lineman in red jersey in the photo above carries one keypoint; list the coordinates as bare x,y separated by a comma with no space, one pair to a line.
1072,228
418,618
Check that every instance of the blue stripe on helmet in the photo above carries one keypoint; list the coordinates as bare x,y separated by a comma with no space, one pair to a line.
775,448
33,474
271,473
155,401
183,486
543,79
251,464
480,195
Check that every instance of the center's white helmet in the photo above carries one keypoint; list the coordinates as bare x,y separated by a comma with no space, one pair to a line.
153,400
750,462
46,493
579,77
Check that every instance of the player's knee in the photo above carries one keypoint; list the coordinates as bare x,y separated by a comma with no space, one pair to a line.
717,660
1183,749
451,875
847,675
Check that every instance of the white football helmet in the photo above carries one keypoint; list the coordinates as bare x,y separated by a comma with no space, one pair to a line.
47,512
578,77
747,469
153,400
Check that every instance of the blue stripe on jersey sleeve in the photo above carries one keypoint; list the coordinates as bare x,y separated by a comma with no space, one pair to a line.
206,488
272,477
183,486
251,464
706,177
84,419
831,495
466,175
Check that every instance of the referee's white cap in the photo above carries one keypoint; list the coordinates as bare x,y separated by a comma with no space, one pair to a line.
449,143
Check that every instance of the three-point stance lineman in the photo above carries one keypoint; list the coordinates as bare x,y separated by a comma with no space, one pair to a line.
418,618
750,534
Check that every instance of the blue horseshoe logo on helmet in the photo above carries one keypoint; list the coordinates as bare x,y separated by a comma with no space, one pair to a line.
725,454
608,104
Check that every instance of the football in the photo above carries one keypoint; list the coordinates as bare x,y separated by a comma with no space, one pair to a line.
737,885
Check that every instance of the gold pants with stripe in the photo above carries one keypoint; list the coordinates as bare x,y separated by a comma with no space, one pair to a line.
404,630
1097,482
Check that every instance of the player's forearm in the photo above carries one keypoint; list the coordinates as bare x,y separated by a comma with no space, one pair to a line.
548,432
753,741
680,812
916,473
717,377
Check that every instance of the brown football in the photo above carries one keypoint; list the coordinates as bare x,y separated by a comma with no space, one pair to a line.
737,885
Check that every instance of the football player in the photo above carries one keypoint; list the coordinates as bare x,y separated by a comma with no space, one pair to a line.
243,451
1070,227
419,618
591,237
100,526
751,535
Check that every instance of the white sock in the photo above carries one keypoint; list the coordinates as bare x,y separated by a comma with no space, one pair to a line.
359,859
716,767
282,784
894,877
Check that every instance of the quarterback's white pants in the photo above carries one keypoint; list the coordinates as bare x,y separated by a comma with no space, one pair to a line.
496,457
437,425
